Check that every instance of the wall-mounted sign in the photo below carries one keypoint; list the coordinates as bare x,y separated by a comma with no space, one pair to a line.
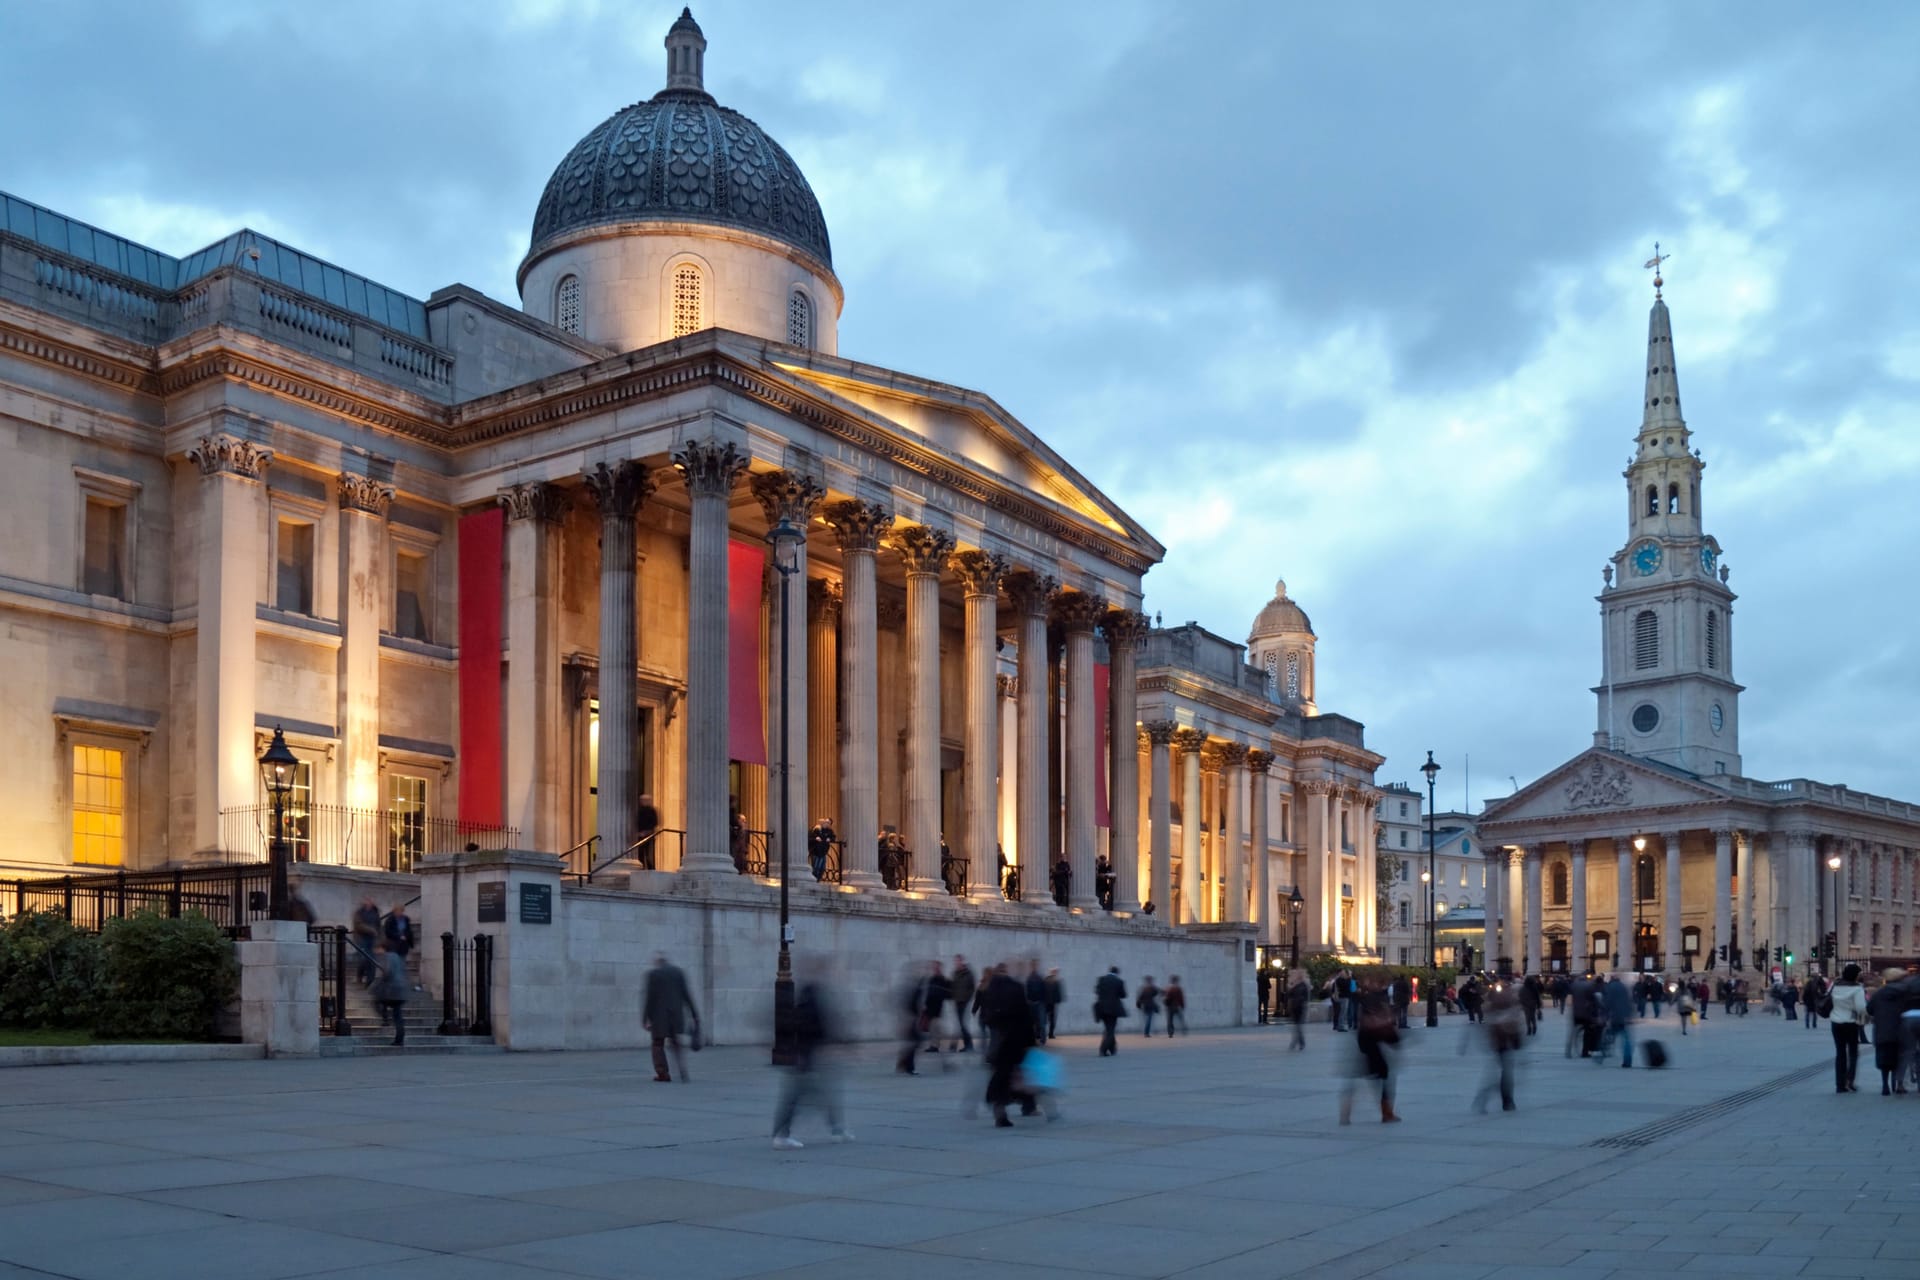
536,904
493,902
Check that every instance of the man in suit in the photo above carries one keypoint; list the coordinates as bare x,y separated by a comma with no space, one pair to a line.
661,1008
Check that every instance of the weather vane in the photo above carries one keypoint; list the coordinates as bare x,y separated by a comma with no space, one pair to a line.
1653,265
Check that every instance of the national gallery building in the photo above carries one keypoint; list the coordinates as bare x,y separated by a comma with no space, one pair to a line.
1654,849
581,576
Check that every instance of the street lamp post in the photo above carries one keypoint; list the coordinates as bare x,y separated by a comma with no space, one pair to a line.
1639,881
278,764
1432,769
786,538
1295,905
1833,865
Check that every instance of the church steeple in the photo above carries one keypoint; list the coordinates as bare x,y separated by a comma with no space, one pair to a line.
1661,409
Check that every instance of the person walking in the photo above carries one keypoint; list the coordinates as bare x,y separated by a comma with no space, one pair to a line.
1351,990
1401,992
1683,1005
1505,1018
1811,995
962,987
1004,1010
1056,993
1037,1002
665,1008
1374,1031
1176,999
1530,1001
391,989
1299,996
1109,1006
1473,998
1618,1007
1884,1010
916,994
1789,997
1845,1007
812,1074
366,937
1147,1001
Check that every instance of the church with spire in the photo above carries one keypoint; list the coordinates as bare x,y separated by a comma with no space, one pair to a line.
1653,849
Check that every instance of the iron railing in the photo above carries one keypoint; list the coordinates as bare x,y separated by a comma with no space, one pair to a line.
230,896
333,942
953,872
367,839
466,985
581,868
1010,883
896,866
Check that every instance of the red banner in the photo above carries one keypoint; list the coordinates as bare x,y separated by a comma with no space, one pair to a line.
746,732
481,536
1102,739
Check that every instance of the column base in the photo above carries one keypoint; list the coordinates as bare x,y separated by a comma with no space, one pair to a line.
1089,903
865,881
926,885
708,862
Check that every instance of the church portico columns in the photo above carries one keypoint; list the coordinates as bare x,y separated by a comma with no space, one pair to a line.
823,701
1534,856
1030,595
924,553
618,489
859,527
534,516
1722,898
980,573
709,470
1258,762
789,496
1160,734
1580,945
1232,862
1191,742
1516,903
1124,629
1078,613
1492,862
1670,889
1623,929
1211,820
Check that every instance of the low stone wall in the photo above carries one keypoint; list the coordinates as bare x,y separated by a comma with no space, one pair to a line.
576,983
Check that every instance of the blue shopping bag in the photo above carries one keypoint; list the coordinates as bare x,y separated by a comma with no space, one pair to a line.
1044,1070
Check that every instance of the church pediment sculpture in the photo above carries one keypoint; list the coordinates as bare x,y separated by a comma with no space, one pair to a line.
1598,787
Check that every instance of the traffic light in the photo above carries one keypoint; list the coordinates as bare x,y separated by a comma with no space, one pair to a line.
1759,957
1833,946
1776,954
1723,953
1789,959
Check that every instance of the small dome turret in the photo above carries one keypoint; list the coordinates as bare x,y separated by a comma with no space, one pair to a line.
1281,644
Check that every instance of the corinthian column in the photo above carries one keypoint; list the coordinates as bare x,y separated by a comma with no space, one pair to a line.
1671,889
823,701
710,471
980,574
1029,594
1231,865
859,527
789,496
924,552
1124,629
1258,762
1722,899
1578,957
1160,815
534,516
1078,613
1318,909
619,490
1191,743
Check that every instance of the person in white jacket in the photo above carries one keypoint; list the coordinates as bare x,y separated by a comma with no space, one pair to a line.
1849,1013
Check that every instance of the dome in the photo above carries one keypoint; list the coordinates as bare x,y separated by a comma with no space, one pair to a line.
1280,616
679,156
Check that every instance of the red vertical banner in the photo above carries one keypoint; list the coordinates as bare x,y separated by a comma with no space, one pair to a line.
482,539
1101,738
746,731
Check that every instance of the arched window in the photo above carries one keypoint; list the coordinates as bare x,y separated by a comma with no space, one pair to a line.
1673,499
1406,913
1646,640
566,304
1653,499
1293,677
1560,884
1713,639
689,288
799,319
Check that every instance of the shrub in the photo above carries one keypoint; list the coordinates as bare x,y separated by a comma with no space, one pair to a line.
163,978
48,972
1322,967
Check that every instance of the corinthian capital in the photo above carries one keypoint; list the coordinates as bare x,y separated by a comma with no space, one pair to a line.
1030,593
1259,761
787,495
1125,628
544,502
230,455
619,489
923,550
980,571
1233,754
1160,733
857,525
1078,611
708,467
359,493
823,601
1189,740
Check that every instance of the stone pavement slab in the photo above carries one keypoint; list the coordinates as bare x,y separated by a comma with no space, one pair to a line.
1212,1157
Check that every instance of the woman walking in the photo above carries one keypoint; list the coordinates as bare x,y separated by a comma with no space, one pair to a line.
1848,1011
1375,1029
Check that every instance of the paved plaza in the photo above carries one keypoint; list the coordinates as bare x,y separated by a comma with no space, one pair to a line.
1217,1156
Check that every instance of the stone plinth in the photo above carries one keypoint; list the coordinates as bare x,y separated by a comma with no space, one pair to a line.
529,1005
280,989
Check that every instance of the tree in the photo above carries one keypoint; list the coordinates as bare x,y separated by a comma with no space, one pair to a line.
1386,874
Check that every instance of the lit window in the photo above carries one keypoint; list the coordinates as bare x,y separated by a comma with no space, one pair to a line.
406,820
1646,640
293,577
299,813
566,304
412,595
99,805
799,319
687,301
1463,875
104,572
1713,639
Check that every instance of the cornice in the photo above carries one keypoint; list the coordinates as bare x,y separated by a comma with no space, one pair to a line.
124,371
425,422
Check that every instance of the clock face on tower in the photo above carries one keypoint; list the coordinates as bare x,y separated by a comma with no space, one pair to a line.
1707,558
1646,558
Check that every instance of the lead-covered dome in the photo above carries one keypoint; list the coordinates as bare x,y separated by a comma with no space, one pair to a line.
680,156
1280,616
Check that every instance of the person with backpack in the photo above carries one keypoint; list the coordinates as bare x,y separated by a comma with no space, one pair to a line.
1844,1005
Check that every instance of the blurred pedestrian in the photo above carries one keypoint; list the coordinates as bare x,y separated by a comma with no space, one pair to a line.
1176,1000
813,1074
1299,996
1056,993
1683,1005
1109,1006
666,1010
914,997
1374,1032
1618,1006
1530,1000
1473,998
962,988
1036,988
1147,1001
1789,997
1846,1013
366,937
391,989
1401,992
1503,1026
1004,1009
1884,1010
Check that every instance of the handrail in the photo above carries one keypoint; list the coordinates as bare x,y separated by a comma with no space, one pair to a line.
566,858
628,852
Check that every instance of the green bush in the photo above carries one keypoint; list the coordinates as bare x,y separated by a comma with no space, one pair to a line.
1322,967
49,972
163,978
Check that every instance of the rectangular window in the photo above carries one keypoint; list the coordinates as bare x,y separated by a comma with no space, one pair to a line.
99,805
1403,808
1403,839
293,576
406,820
412,595
1463,875
299,813
104,570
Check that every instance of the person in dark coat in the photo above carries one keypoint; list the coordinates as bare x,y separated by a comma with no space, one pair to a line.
1056,992
1374,1029
1618,1005
1299,996
812,1073
1884,1009
1531,998
819,846
390,989
1147,1001
1004,1011
1036,989
366,937
963,988
665,1008
1176,997
1109,1006
399,930
1062,880
916,996
1401,991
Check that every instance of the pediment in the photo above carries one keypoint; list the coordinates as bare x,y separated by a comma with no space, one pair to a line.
1595,783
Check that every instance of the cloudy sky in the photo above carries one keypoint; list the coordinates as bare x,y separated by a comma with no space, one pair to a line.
1349,294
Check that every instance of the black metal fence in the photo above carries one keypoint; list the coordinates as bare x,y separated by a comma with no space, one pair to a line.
334,960
466,985
585,860
340,836
231,896
953,873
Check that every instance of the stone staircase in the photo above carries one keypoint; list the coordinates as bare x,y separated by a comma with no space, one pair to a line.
421,1015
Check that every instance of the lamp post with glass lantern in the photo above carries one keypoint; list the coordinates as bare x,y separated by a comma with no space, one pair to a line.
786,538
278,764
1639,884
1432,769
1295,905
1833,865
